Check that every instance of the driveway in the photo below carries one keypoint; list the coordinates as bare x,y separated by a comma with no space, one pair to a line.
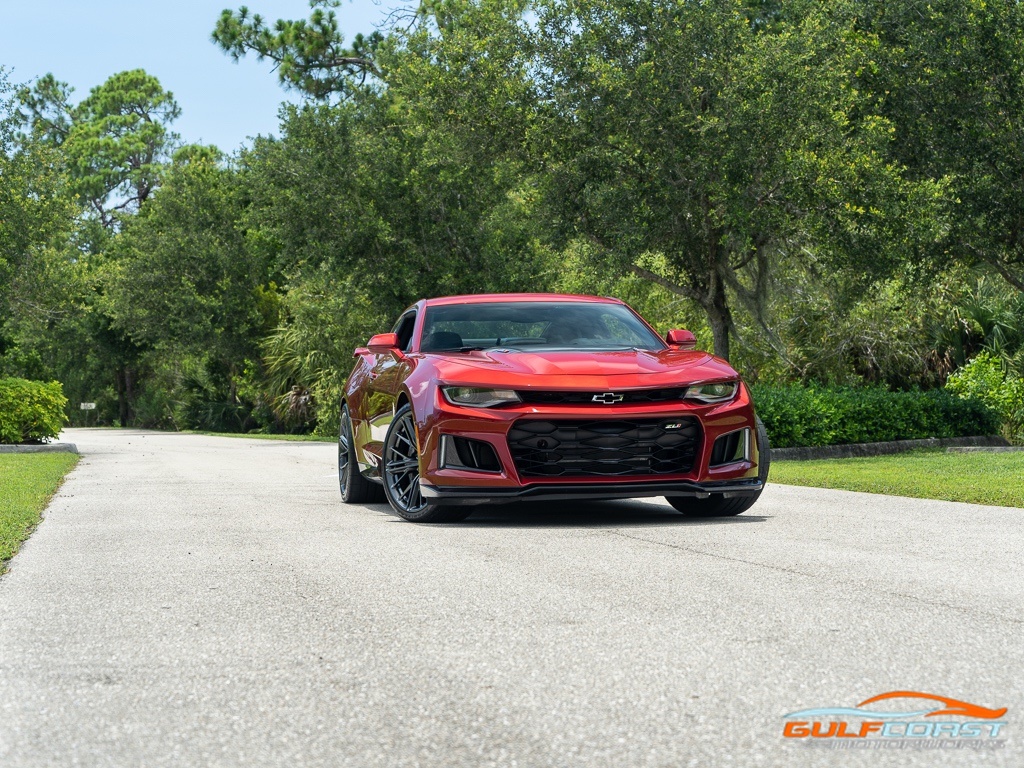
209,601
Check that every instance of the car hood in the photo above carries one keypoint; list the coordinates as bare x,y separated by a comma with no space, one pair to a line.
579,369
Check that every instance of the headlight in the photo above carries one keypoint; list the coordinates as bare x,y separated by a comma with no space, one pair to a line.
713,393
481,398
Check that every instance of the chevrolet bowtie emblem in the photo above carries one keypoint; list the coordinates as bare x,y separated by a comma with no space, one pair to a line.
608,398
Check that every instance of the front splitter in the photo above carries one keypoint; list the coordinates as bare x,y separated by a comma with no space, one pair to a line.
568,491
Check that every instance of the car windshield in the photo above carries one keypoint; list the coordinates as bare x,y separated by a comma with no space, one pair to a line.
535,326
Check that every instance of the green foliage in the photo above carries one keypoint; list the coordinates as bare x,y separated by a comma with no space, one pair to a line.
114,140
725,166
950,74
837,328
36,210
46,109
94,163
985,380
810,183
307,359
398,213
983,314
699,149
30,411
580,268
182,284
366,206
808,416
181,276
309,55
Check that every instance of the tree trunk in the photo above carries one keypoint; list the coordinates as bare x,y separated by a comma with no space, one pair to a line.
712,299
125,378
122,396
716,302
720,321
129,394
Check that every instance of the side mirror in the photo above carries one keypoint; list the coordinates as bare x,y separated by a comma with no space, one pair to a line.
682,338
383,342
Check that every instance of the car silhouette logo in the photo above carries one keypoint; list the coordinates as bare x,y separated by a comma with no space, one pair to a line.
608,398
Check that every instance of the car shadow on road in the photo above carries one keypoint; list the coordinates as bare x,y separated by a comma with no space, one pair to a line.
591,514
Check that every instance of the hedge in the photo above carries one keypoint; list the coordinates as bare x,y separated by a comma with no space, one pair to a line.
984,379
30,411
807,416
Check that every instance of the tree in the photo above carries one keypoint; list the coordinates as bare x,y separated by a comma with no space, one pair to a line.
411,187
111,148
310,56
37,212
950,77
114,141
181,279
694,146
46,108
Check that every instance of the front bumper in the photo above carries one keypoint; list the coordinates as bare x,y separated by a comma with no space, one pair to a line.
446,484
568,491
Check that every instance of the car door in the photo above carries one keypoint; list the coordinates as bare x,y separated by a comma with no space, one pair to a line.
387,373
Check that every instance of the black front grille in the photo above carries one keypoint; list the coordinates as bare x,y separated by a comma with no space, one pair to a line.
604,448
634,396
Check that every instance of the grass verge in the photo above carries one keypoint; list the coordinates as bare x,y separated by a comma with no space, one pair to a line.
27,483
976,478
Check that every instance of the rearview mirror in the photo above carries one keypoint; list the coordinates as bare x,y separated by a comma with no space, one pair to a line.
682,338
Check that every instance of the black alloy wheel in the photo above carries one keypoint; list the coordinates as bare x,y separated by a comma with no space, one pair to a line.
401,472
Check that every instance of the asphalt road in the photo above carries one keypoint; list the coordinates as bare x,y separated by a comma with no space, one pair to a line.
209,601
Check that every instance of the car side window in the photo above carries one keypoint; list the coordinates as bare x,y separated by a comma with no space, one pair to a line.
404,328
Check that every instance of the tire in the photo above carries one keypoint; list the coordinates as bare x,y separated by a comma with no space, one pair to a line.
718,505
355,489
401,473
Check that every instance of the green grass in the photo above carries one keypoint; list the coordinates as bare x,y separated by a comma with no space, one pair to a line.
27,482
976,478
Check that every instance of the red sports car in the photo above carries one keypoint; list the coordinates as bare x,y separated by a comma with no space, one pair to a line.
506,397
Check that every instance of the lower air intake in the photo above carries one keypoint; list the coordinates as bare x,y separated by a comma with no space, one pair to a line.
604,448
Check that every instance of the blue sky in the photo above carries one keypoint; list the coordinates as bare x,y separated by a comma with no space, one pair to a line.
83,42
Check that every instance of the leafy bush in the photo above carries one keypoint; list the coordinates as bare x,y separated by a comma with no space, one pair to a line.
808,416
984,379
30,411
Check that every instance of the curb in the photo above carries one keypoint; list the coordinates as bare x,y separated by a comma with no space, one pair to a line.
45,448
881,449
986,449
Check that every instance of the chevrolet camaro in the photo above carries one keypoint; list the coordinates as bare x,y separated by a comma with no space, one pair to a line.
475,400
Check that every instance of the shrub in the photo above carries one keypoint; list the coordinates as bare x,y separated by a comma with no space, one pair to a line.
30,411
984,379
808,416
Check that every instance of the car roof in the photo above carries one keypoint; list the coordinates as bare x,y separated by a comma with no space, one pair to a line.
488,298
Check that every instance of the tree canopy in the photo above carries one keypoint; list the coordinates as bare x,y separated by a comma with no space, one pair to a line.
114,141
823,192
